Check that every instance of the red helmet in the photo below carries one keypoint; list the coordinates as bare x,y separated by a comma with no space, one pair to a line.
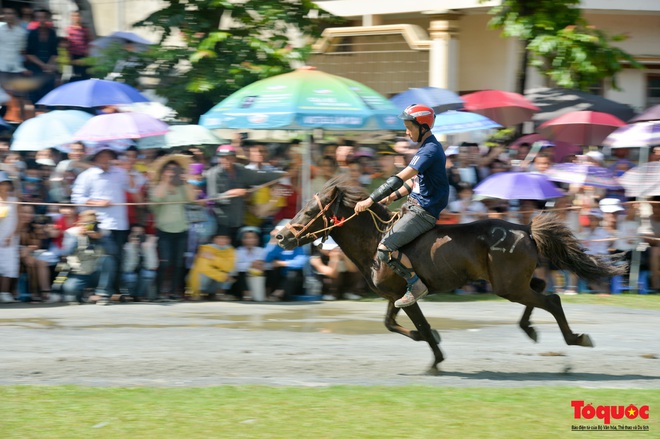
225,150
420,114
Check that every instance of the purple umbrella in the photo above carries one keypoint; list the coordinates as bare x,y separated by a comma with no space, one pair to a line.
116,126
518,186
652,113
582,174
640,134
642,181
92,93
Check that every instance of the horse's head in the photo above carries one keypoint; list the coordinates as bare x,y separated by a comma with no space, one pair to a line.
318,218
313,221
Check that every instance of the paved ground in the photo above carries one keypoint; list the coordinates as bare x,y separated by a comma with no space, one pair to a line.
319,344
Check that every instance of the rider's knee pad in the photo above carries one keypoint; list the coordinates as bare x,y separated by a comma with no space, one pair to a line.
395,264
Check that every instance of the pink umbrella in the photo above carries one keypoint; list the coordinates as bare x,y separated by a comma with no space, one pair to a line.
562,149
581,127
115,126
504,107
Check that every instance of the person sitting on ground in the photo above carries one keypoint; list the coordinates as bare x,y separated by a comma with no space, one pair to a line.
338,275
209,274
249,261
90,266
286,276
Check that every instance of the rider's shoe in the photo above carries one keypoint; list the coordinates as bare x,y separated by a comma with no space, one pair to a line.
414,292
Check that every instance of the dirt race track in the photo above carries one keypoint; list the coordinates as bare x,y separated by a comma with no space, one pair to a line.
320,344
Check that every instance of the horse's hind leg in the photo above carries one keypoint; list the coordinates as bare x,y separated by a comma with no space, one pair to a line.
430,335
537,285
552,304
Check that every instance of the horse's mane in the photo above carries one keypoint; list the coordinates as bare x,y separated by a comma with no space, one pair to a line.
350,193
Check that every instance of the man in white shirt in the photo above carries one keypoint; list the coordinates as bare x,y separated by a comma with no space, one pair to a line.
13,39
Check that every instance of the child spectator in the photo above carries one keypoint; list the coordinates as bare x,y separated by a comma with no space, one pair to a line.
8,238
336,272
468,208
249,263
210,270
140,264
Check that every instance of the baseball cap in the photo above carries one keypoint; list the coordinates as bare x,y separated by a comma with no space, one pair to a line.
610,205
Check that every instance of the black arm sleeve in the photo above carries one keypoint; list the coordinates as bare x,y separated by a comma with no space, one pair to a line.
393,183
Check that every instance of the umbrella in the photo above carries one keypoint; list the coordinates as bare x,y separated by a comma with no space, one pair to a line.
116,126
562,149
642,181
640,134
554,102
503,107
440,99
182,135
581,127
583,174
92,93
462,121
120,38
649,114
304,99
518,186
48,130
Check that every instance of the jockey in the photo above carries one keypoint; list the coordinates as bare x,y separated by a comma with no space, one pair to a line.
425,199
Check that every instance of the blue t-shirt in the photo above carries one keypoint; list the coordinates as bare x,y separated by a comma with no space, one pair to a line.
432,188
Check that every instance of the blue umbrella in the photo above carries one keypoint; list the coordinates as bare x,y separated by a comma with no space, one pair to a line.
48,130
92,93
518,186
304,99
462,121
440,99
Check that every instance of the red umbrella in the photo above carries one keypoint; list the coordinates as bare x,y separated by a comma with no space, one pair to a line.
504,107
562,149
581,127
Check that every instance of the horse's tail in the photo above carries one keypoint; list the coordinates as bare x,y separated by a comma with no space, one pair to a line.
556,242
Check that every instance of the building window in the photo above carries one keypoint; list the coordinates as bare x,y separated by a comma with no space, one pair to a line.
652,90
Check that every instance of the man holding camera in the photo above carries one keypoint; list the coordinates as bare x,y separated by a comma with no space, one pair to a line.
90,266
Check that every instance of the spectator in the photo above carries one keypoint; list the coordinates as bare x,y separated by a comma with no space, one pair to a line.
209,274
78,38
595,239
65,173
249,263
140,264
90,266
232,180
466,206
258,158
286,277
13,40
338,275
41,54
387,158
103,186
327,168
200,219
9,255
288,190
171,193
654,251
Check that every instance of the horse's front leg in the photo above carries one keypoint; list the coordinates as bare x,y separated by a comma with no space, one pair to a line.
430,335
392,325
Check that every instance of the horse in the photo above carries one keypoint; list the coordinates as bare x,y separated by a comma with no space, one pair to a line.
449,256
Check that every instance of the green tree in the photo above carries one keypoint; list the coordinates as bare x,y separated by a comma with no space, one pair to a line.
224,46
560,43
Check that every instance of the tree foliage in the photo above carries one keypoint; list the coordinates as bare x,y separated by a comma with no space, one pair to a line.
560,43
222,46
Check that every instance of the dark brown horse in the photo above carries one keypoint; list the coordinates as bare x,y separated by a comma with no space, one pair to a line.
449,256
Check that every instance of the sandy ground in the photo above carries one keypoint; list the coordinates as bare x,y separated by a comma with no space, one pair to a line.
320,344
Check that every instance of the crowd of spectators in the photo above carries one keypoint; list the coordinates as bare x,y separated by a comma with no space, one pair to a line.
97,223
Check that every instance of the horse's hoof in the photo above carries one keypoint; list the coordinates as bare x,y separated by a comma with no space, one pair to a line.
585,340
531,333
433,371
436,336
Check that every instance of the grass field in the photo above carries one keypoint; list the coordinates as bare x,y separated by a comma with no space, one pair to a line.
73,412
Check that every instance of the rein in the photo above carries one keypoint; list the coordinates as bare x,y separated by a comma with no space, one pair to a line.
297,230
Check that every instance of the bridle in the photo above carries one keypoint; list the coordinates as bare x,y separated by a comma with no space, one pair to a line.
298,230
